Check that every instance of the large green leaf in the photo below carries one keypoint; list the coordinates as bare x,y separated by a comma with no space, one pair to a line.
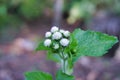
37,76
62,76
92,43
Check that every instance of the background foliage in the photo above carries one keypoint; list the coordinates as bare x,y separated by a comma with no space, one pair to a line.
13,11
85,9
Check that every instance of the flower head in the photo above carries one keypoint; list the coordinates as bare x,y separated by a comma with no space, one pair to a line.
47,42
54,29
66,33
48,34
56,46
62,31
64,42
56,36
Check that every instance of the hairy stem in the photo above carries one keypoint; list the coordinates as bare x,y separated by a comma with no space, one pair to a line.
63,62
65,65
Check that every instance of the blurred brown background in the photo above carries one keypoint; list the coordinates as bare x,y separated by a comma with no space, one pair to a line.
24,22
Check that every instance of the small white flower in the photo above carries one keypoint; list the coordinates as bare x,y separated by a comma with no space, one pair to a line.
57,35
64,42
48,34
66,33
56,46
54,29
47,42
62,31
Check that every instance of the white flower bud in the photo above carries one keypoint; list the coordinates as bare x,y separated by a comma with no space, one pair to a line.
54,29
57,35
62,31
64,42
56,46
47,42
66,33
48,34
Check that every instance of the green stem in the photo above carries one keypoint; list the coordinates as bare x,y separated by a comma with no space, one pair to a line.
63,62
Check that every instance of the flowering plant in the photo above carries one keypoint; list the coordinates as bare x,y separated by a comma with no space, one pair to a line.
65,47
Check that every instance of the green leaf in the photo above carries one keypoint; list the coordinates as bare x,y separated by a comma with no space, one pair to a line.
37,76
92,43
41,46
62,76
72,45
53,56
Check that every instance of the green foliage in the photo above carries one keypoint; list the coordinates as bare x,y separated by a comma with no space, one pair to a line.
85,9
32,8
81,9
11,11
51,55
3,10
3,14
5,17
82,43
37,76
45,76
86,43
92,43
61,76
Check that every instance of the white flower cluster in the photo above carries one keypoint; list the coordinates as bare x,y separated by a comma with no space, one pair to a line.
56,38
